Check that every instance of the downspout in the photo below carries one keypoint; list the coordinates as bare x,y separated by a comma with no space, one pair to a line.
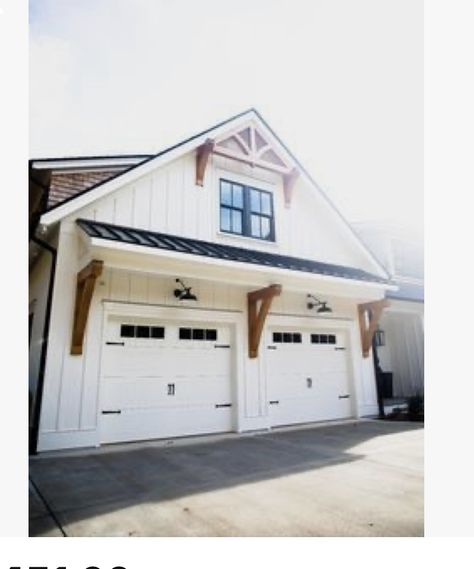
36,413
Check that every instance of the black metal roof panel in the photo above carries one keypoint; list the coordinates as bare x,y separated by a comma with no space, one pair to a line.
219,251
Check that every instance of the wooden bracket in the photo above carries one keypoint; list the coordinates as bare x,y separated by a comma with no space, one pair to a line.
256,319
289,181
202,156
369,317
84,291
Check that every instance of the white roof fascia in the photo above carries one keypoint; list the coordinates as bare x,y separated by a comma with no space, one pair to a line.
85,163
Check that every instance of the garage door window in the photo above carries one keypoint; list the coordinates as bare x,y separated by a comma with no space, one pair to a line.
323,339
287,337
139,331
200,334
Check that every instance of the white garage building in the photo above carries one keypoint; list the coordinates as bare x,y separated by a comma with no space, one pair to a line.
121,351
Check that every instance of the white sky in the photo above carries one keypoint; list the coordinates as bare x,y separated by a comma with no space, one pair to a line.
340,81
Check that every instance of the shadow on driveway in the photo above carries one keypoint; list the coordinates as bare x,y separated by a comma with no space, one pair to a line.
147,490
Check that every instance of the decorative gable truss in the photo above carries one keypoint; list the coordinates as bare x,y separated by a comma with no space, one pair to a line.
248,145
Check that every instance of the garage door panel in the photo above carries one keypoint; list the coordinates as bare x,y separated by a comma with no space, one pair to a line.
307,380
168,387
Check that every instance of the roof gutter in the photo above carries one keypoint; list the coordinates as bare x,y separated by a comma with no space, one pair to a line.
36,411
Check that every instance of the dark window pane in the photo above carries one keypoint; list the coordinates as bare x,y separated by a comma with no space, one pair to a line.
323,339
287,337
332,339
255,201
265,227
185,333
198,334
225,219
255,226
127,331
226,193
297,338
157,332
237,196
277,337
236,221
143,331
266,203
315,338
211,335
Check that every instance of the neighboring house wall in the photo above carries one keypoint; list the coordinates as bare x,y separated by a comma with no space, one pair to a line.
403,354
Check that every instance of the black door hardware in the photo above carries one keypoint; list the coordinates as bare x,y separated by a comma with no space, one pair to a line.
171,389
115,343
274,402
339,348
221,345
117,412
220,405
344,396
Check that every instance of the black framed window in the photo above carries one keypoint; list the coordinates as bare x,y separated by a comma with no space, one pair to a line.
247,211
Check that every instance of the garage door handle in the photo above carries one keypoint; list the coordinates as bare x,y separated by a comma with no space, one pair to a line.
339,348
344,396
274,402
271,347
117,412
115,343
220,405
221,345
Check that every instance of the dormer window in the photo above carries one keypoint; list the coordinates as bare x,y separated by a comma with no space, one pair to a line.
246,211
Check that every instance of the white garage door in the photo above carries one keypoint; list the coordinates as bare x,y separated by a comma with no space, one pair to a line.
162,379
307,376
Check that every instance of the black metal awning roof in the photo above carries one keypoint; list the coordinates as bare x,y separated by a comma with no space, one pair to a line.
178,244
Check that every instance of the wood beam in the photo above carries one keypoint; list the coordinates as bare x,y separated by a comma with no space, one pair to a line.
202,156
256,318
86,279
369,317
289,181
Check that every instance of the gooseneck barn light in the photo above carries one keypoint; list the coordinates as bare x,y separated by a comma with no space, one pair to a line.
184,293
321,306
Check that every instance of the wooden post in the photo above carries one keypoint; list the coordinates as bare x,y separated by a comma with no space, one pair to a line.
84,290
202,156
256,319
369,317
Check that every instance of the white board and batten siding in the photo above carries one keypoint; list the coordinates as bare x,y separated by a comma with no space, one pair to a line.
78,388
168,201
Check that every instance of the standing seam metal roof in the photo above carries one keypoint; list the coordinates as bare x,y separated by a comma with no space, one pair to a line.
190,246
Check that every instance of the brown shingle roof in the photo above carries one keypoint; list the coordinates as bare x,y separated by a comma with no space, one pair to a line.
67,184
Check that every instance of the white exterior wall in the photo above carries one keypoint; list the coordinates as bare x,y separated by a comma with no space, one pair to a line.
403,354
167,200
70,407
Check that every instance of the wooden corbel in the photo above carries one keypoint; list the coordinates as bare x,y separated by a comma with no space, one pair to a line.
202,156
289,181
84,291
256,319
369,317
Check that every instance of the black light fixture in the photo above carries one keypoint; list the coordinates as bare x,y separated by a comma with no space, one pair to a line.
321,306
379,337
184,293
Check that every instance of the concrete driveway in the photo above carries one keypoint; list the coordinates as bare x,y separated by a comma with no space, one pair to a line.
356,479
